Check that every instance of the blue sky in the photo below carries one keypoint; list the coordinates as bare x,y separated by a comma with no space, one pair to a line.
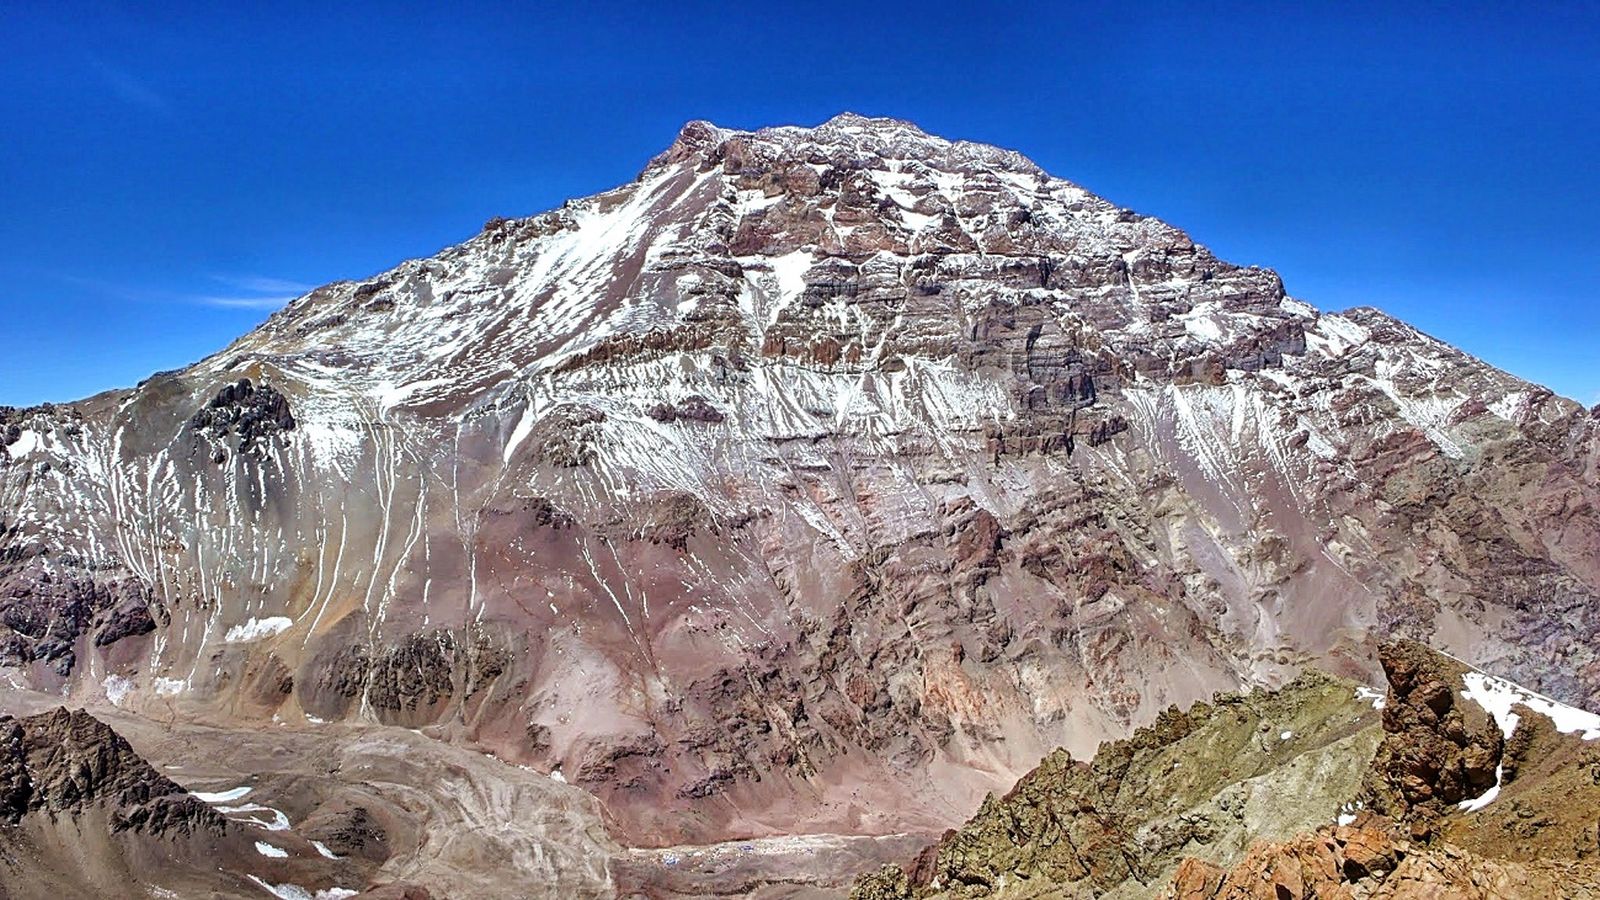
168,175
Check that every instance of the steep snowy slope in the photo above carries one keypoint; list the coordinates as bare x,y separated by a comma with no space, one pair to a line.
817,480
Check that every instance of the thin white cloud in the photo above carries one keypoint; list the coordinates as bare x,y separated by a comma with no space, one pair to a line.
243,302
254,292
261,284
129,88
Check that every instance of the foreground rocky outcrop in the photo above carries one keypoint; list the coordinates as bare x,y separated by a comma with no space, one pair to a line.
1375,858
1214,777
1438,750
1478,790
1437,805
83,815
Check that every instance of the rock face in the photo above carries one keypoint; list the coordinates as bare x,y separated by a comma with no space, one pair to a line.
1064,830
1211,779
1371,859
243,415
65,762
1438,750
817,480
46,612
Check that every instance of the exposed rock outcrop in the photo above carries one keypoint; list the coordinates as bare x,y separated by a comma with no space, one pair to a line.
1454,818
1215,777
1438,749
66,762
1436,808
47,608
247,412
1373,858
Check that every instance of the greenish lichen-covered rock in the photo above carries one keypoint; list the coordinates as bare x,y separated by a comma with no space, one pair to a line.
888,883
1214,777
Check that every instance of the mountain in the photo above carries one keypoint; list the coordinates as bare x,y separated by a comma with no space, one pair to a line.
818,481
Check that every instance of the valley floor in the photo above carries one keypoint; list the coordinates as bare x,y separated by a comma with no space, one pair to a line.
448,819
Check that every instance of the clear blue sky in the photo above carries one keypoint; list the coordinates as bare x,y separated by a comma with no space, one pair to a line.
167,174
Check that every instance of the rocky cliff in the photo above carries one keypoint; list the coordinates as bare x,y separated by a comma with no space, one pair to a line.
64,763
819,479
82,815
1471,787
1480,789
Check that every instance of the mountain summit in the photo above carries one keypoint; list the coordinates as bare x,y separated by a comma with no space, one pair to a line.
818,479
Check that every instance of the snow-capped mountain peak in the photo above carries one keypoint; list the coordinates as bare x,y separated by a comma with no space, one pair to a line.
810,460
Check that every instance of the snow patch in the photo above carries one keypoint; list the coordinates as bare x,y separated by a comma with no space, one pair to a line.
523,428
1497,696
255,629
27,443
1488,796
117,688
1341,332
1509,406
296,892
169,687
1347,812
222,796
790,270
1378,700
1430,415
244,814
1201,323
266,849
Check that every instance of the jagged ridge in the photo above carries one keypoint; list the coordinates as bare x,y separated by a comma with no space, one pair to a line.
1440,806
